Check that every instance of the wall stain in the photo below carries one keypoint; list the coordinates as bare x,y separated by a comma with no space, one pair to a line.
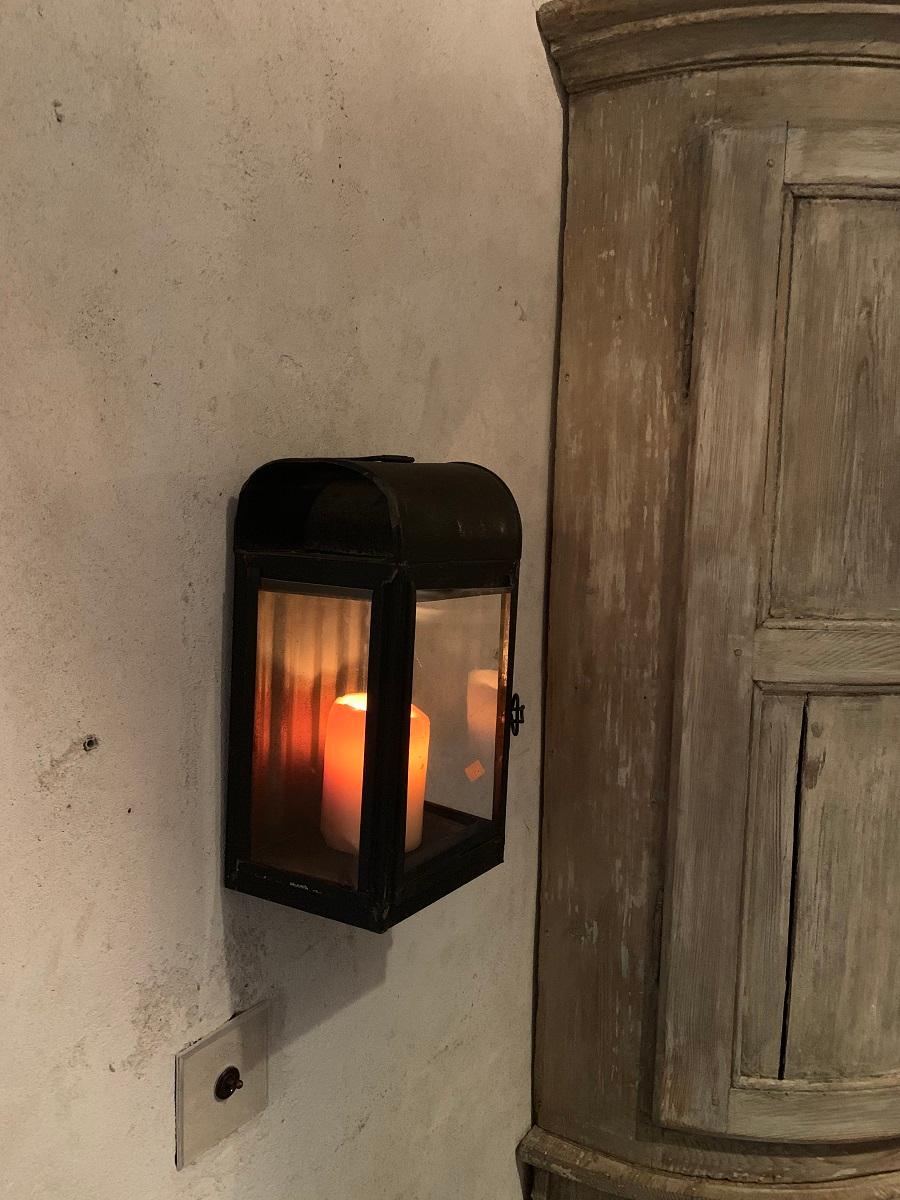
60,764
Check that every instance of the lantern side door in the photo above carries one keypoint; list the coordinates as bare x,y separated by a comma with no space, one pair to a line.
458,720
781,950
304,663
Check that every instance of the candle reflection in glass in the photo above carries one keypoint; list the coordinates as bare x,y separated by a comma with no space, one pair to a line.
345,740
481,710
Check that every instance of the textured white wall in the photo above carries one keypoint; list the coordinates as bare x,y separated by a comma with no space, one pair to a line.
232,231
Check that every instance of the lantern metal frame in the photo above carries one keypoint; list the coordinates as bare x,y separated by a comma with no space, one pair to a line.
454,527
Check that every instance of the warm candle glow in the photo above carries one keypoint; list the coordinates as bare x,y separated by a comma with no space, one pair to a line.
345,740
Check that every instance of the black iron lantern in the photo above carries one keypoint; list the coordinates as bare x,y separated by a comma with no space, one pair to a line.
374,621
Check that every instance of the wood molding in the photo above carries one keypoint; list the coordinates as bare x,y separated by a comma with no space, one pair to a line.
546,1152
600,42
829,655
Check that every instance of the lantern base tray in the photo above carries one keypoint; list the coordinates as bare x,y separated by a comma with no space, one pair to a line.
429,881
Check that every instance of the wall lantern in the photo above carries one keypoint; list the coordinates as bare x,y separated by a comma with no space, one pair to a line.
374,621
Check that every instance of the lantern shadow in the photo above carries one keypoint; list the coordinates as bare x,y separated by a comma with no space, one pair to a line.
307,966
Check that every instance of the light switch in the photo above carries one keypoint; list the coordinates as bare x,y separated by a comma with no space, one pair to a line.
221,1082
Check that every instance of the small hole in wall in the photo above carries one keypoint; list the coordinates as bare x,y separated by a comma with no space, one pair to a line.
91,742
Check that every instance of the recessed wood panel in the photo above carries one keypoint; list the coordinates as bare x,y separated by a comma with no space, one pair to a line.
843,1019
770,843
837,541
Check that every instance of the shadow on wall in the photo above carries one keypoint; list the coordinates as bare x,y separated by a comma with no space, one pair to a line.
256,933
322,966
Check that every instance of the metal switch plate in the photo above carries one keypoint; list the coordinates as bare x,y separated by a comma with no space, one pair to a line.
201,1119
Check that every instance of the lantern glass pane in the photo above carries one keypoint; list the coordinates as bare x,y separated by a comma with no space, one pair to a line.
312,652
457,722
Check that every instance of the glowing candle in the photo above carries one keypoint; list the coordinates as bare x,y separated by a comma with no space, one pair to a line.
345,741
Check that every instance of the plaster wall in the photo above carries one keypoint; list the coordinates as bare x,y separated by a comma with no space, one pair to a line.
233,231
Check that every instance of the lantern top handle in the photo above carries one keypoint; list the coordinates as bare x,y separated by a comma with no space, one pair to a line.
386,507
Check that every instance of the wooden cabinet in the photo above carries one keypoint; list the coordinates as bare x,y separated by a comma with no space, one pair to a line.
786,742
719,948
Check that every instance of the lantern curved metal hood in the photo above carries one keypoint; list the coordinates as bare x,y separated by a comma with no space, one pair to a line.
374,628
387,507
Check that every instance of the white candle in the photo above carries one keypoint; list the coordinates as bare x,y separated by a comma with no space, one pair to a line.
345,743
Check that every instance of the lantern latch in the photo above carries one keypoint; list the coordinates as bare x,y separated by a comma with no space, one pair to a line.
516,715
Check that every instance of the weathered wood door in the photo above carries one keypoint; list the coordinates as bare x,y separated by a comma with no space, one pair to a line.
780,1008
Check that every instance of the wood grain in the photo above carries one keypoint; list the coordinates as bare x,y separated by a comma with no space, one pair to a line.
635,190
813,1116
845,993
732,365
840,155
727,543
856,654
767,887
620,466
540,1189
837,543
567,1189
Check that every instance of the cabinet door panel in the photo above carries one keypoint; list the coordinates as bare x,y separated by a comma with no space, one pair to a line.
782,918
844,1002
837,539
